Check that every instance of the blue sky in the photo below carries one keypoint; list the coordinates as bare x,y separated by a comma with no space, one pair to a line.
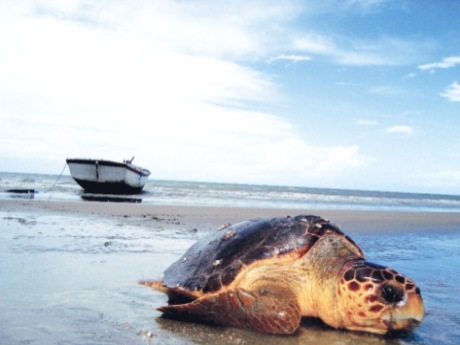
334,93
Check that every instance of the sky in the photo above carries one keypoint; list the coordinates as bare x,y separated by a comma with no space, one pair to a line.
354,94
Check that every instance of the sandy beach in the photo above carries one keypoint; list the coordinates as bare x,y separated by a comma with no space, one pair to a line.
70,270
212,217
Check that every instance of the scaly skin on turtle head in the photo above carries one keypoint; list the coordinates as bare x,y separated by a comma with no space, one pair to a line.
377,299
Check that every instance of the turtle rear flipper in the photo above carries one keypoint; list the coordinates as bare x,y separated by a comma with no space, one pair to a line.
154,284
266,310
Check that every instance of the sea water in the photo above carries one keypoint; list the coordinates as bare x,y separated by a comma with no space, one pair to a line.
53,187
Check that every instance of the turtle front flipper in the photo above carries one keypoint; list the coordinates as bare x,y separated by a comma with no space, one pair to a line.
269,310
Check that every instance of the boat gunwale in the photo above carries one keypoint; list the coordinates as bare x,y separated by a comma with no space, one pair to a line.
109,163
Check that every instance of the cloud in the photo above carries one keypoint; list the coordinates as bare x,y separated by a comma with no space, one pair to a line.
236,29
316,44
400,129
385,51
166,81
448,62
291,57
348,84
386,90
366,123
361,7
340,157
298,162
444,181
366,5
452,93
110,57
409,76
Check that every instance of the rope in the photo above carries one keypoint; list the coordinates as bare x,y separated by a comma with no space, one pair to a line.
59,177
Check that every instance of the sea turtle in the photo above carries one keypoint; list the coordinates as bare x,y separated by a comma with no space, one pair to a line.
266,274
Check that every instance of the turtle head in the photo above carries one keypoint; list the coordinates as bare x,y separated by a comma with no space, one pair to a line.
377,299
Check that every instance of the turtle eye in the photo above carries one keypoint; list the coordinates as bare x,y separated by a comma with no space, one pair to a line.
391,294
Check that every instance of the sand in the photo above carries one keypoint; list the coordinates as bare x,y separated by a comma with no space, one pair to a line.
70,270
214,217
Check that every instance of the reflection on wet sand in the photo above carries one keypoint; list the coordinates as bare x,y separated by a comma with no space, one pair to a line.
21,193
312,331
111,198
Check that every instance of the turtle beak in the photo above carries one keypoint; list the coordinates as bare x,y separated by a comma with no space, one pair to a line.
407,314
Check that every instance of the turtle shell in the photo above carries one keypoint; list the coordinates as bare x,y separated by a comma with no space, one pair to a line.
216,261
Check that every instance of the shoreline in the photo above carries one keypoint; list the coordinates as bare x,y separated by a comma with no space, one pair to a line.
216,216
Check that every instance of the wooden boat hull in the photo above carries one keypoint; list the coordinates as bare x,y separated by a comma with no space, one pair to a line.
108,177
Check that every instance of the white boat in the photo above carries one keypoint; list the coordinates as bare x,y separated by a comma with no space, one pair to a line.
108,177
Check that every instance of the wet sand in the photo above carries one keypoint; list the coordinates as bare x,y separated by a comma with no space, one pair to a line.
213,217
69,271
